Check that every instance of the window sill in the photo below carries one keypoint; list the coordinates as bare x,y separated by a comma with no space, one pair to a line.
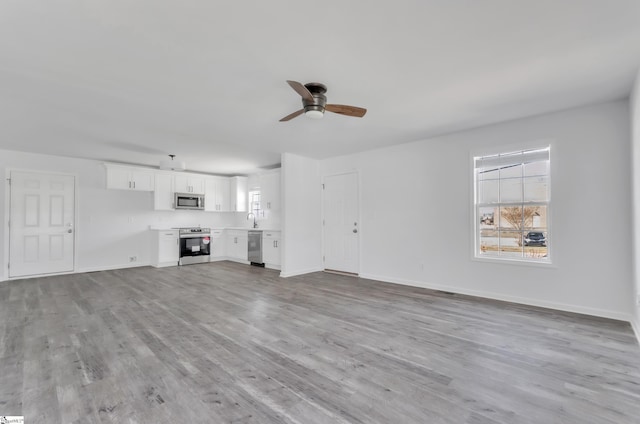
516,262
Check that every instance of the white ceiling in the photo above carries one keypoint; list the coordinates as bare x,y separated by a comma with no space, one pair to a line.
133,81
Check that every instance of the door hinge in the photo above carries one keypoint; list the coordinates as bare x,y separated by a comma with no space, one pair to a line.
323,222
323,186
9,181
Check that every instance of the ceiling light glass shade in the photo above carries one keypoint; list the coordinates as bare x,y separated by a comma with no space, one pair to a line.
313,114
173,165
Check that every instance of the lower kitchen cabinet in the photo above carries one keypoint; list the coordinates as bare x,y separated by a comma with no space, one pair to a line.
230,244
165,250
271,249
237,245
218,245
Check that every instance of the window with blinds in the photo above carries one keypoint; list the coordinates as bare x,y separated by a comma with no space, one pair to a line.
512,201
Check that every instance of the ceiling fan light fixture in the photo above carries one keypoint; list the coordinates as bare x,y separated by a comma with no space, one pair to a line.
314,114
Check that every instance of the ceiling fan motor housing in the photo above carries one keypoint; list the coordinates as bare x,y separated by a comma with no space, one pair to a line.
317,90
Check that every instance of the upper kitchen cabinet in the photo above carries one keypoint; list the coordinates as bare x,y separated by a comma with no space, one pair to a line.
238,194
189,183
216,198
127,178
163,197
270,191
223,195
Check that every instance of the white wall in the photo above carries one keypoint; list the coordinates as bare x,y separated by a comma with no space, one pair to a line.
302,219
416,212
111,224
635,157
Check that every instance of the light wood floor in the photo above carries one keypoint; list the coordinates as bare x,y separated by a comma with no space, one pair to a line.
229,343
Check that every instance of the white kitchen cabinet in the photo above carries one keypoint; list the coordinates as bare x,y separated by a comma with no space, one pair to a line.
189,183
238,194
163,198
218,245
209,195
222,194
127,178
165,249
270,191
217,194
271,249
237,245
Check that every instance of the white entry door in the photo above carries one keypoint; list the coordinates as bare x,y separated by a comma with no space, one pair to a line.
41,239
341,230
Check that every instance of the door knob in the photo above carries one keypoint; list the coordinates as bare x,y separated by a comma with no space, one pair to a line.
355,231
69,231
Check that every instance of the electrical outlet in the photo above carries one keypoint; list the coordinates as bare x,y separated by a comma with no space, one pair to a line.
133,258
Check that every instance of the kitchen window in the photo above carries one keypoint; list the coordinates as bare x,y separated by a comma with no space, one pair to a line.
512,205
254,203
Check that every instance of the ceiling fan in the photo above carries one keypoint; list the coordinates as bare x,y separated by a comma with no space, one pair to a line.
314,102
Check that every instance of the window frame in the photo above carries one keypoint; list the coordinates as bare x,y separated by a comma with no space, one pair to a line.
258,210
476,254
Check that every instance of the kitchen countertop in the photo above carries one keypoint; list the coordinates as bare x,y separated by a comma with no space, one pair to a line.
246,228
152,228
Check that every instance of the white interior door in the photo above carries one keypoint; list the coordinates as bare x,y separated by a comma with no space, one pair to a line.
41,239
341,230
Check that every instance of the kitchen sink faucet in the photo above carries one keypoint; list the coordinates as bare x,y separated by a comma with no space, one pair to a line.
255,223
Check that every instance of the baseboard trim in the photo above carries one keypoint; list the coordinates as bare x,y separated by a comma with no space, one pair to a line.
635,325
27,277
288,274
603,313
346,274
110,267
79,271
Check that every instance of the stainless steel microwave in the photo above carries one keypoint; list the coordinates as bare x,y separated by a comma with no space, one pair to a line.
189,201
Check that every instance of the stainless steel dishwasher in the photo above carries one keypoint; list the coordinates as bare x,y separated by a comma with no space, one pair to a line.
255,248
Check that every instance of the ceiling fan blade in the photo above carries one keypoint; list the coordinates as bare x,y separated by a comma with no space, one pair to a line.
346,110
301,90
293,115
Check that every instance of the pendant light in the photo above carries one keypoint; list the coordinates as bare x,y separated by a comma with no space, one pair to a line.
172,165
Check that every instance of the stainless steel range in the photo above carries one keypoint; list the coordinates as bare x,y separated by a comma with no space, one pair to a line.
195,245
